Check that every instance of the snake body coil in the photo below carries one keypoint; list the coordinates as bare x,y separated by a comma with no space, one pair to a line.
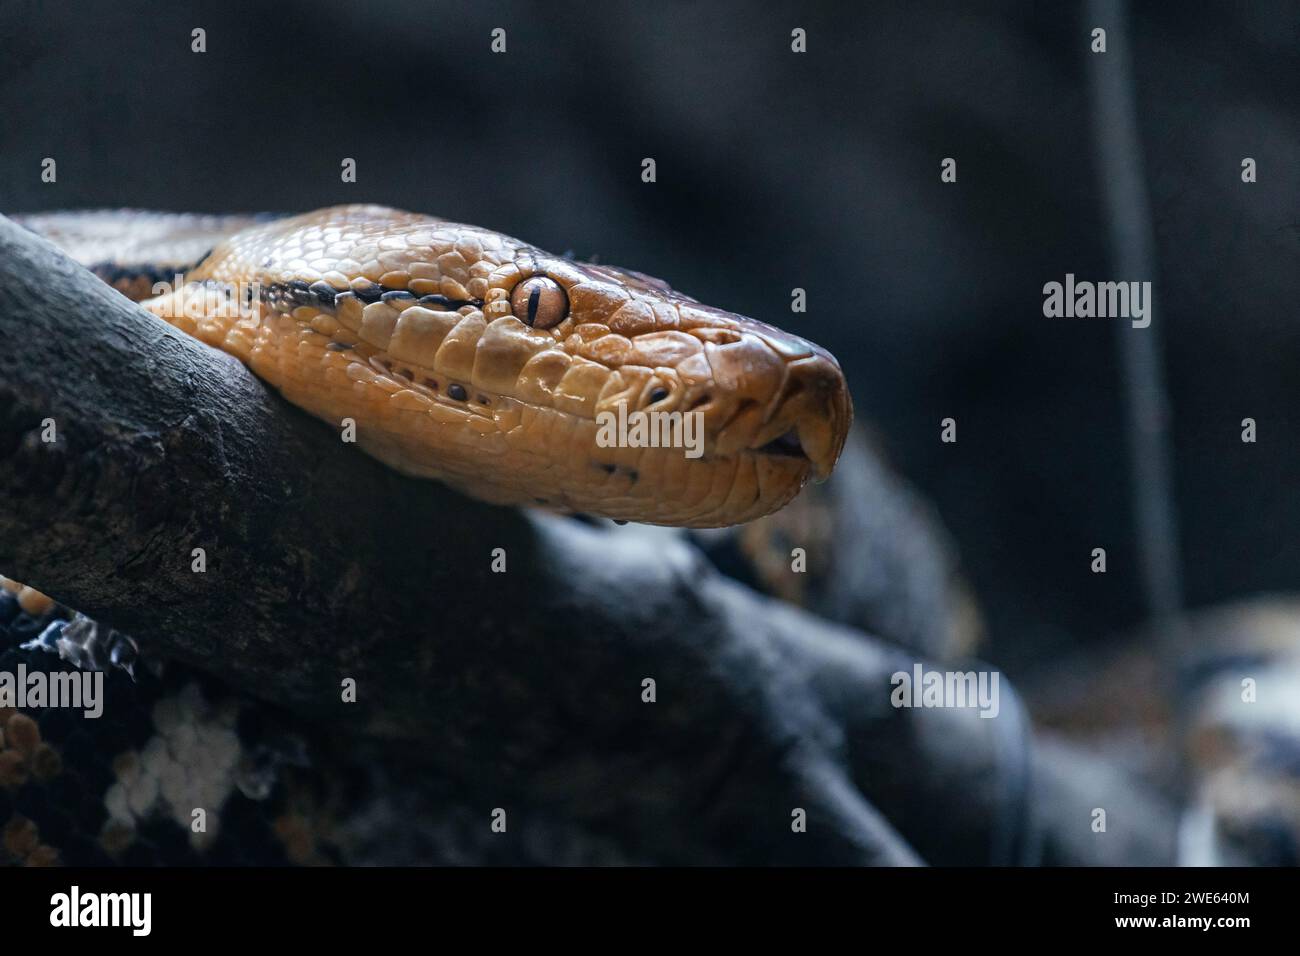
467,356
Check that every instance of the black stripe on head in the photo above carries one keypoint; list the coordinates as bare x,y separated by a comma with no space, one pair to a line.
152,272
325,297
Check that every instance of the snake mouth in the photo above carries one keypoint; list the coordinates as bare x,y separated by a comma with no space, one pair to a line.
785,446
809,445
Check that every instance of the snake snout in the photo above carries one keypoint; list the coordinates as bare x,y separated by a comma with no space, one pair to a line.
813,415
775,394
818,402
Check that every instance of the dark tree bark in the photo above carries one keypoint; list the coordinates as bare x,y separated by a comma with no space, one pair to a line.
323,565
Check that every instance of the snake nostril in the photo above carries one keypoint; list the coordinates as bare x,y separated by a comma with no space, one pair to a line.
702,400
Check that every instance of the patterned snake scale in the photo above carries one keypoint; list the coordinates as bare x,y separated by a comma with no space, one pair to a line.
467,356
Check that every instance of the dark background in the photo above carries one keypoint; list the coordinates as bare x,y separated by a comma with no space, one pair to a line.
778,170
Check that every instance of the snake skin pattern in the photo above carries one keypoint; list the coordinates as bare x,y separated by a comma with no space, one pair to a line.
404,325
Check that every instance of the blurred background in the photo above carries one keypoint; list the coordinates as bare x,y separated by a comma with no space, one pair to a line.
819,171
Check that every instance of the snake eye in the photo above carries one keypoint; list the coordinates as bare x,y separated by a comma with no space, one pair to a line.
539,302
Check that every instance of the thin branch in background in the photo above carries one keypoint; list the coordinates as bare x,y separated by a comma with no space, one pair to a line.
1132,256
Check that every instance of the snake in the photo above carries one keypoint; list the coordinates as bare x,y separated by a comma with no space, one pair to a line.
460,354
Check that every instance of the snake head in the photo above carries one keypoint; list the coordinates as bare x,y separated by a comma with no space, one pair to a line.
475,358
773,409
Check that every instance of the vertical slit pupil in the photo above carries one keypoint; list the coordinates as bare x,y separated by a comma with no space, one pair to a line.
534,299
